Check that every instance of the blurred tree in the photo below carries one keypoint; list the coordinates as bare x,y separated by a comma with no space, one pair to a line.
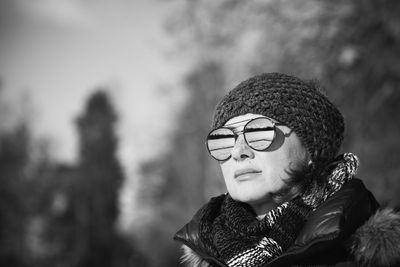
251,37
100,177
74,207
14,157
54,214
361,66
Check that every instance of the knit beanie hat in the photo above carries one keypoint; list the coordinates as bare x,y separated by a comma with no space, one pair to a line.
296,103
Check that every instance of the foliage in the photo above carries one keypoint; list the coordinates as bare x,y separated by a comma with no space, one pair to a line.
361,66
350,47
14,153
99,178
53,214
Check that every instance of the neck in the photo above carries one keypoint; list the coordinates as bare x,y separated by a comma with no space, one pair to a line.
262,208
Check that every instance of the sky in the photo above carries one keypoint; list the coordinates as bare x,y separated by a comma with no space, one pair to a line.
54,53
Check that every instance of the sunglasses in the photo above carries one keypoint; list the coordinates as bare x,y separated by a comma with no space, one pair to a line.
258,133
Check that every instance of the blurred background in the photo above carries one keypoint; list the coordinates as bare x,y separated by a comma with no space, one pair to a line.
104,107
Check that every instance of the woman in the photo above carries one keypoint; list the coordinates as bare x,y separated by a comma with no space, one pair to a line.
292,200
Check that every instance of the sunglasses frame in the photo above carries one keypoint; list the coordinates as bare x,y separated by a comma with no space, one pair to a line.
237,133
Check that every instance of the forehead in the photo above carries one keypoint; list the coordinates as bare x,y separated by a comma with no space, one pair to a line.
242,119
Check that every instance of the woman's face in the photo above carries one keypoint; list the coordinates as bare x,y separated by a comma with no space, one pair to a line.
254,176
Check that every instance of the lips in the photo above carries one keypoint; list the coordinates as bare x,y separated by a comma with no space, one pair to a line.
246,171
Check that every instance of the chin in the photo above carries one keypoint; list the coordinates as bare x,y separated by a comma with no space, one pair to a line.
249,198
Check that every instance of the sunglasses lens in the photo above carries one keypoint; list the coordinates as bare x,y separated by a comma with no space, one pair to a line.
220,143
259,133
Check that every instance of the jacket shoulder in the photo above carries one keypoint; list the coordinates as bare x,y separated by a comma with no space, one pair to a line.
194,250
340,215
377,241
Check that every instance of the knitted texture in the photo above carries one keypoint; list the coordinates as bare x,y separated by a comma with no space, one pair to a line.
231,232
346,167
296,103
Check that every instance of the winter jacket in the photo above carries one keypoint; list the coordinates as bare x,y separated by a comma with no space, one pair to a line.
348,229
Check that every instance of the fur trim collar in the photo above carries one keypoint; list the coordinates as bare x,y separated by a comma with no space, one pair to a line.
377,242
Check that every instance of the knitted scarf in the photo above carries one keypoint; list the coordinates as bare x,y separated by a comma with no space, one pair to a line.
232,234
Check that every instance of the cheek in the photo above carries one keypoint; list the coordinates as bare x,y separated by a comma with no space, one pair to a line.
274,168
227,171
272,162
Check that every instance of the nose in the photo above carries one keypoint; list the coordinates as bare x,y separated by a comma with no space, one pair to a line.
241,150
